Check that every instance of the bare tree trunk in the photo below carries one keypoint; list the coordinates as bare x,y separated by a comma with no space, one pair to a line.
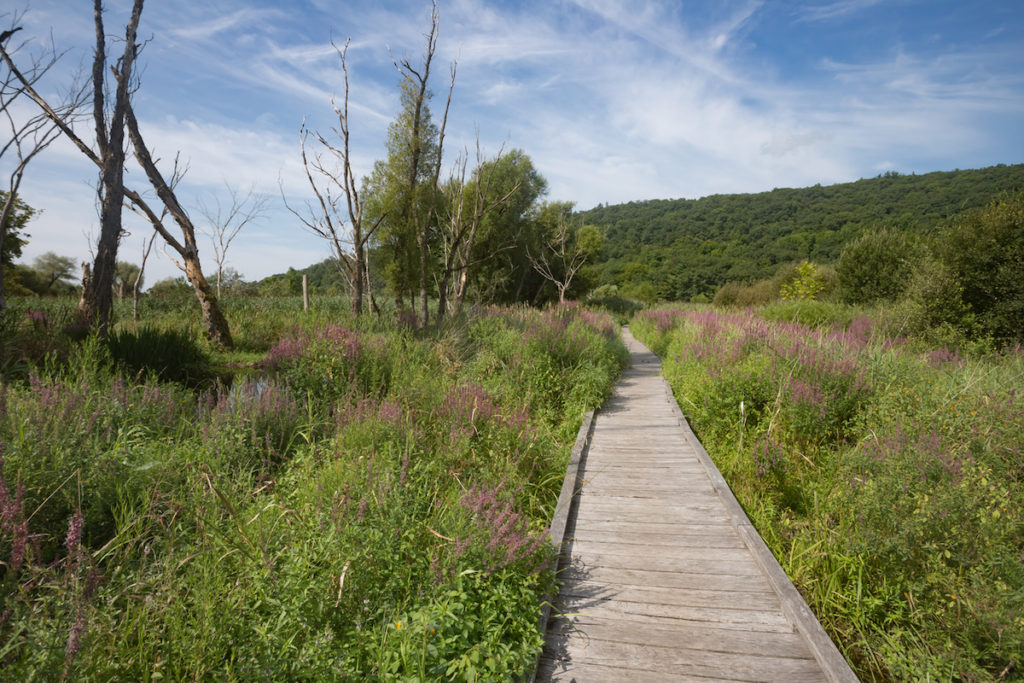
217,329
98,292
138,278
326,220
97,299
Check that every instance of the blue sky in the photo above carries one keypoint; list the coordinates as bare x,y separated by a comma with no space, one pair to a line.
614,100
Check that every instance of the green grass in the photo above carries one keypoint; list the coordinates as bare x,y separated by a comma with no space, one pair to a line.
886,476
366,502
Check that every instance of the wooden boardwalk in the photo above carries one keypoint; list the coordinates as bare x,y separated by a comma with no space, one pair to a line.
664,577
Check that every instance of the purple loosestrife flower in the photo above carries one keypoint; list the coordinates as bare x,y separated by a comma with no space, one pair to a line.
507,533
943,356
12,518
73,540
768,456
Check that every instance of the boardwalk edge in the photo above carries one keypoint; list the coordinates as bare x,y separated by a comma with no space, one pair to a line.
832,661
560,520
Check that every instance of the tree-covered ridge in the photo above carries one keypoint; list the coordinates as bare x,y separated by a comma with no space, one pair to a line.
690,247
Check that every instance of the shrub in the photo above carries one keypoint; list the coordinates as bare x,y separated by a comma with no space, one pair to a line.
932,300
171,355
806,284
876,266
984,251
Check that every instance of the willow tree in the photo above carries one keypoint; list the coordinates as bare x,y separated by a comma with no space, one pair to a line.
501,270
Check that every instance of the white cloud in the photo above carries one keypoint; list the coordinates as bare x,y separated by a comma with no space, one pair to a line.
227,22
836,10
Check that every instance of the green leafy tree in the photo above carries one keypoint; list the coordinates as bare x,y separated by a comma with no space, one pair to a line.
54,270
877,266
564,241
403,191
503,273
399,196
985,252
15,237
124,278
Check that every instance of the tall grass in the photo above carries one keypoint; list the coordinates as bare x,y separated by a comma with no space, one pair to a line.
370,503
886,477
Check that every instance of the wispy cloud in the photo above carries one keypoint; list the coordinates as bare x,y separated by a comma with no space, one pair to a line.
836,10
226,23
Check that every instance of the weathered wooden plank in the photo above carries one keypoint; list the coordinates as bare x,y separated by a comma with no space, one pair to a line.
553,670
615,576
666,491
610,497
609,673
724,557
693,528
678,514
654,541
607,605
695,662
787,644
763,600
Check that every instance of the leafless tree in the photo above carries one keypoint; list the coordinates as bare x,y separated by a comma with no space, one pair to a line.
217,329
138,276
28,135
333,166
459,231
226,222
110,157
417,80
562,255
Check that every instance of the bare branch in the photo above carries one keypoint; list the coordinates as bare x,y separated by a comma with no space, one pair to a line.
224,225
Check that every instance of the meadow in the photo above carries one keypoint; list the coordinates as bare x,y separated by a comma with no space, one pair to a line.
337,499
886,475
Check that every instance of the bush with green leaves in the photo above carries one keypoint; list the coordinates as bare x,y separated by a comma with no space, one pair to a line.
984,251
877,266
806,285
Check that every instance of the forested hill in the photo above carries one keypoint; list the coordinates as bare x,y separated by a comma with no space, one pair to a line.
689,247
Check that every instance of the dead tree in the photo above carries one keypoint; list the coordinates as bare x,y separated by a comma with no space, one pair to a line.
28,136
463,223
324,218
561,256
418,80
138,276
97,297
224,225
217,329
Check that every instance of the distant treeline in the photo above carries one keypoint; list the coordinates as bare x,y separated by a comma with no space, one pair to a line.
687,248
